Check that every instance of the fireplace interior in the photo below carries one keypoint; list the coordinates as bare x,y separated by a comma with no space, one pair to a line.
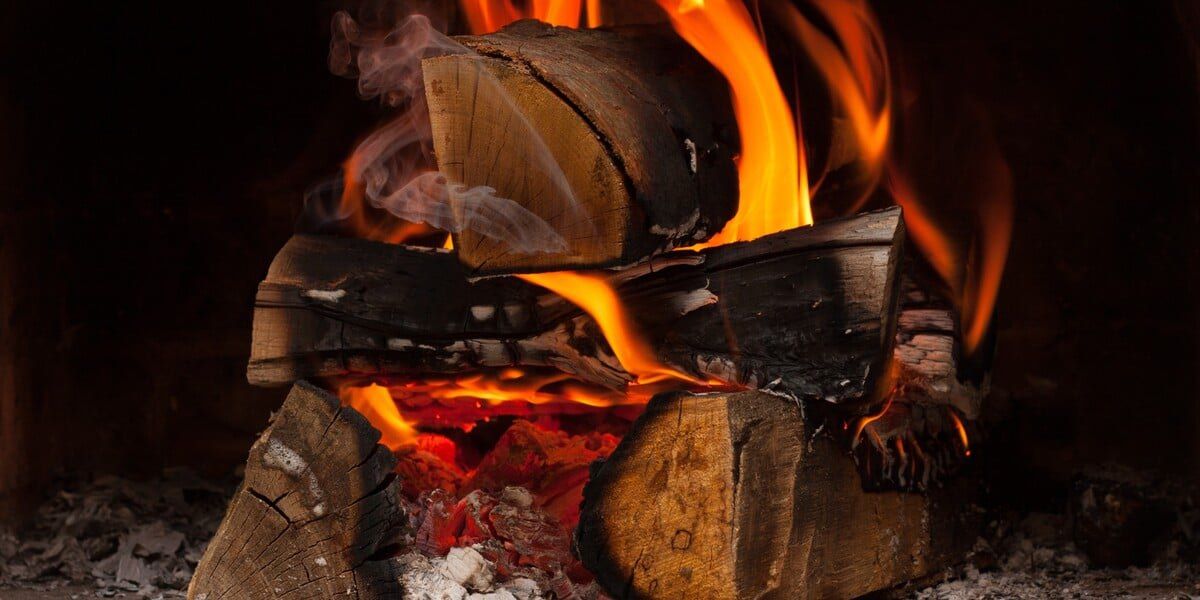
181,287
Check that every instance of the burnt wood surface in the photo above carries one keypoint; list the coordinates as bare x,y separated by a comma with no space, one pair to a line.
639,124
930,353
807,312
315,515
737,496
913,440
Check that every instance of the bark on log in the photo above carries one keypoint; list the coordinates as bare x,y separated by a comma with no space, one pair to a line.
315,515
735,496
808,312
639,123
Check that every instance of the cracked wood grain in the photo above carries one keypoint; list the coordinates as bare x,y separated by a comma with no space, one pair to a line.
315,515
731,496
635,124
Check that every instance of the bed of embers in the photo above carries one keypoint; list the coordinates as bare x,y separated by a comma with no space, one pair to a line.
493,487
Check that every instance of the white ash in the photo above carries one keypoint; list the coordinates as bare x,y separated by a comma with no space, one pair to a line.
464,574
1036,559
693,163
682,304
331,296
685,228
483,312
279,456
133,539
468,568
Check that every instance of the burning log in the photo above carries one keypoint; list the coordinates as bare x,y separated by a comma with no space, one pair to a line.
807,312
315,515
639,124
928,351
736,496
919,433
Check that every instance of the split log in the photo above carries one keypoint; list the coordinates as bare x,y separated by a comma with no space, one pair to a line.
638,122
807,312
316,515
736,496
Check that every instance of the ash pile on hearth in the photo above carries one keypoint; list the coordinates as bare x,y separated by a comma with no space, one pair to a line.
123,537
1123,534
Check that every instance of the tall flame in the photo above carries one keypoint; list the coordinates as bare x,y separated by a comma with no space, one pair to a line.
772,175
972,271
774,194
853,62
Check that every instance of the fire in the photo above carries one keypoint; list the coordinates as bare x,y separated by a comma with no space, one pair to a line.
853,61
854,64
867,420
484,16
848,52
376,404
516,385
962,433
972,271
772,174
595,295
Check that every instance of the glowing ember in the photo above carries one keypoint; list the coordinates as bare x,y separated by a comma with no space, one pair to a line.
535,452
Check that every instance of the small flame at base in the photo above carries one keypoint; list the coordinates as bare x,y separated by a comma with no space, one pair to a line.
375,403
962,432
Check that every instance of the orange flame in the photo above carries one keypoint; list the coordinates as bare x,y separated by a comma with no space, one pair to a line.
962,433
772,175
484,16
854,64
517,385
973,279
376,404
863,422
595,295
996,223
353,205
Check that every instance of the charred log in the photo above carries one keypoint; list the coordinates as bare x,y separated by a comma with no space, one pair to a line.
735,496
315,515
921,431
806,312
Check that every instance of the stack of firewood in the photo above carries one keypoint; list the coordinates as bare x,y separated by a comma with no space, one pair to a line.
755,491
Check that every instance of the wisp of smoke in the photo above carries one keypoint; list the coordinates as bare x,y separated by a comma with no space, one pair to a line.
391,166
